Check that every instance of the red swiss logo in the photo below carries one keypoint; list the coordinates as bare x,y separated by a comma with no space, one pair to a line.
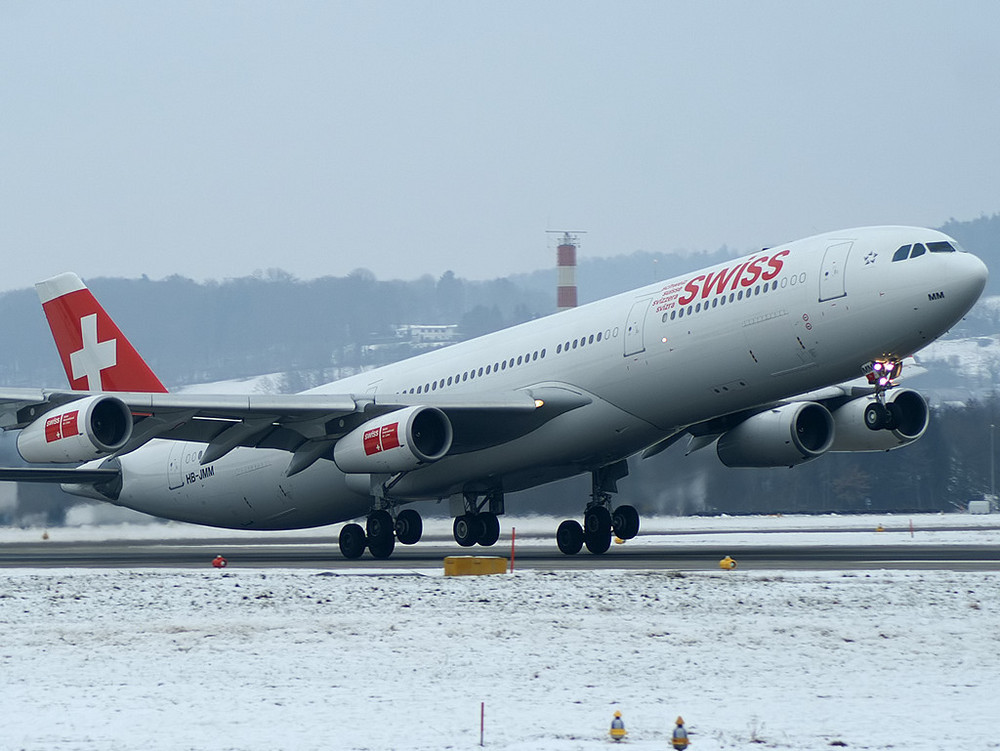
381,439
62,426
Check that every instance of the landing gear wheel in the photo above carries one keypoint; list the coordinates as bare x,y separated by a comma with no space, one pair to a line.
379,524
597,530
892,416
381,533
382,547
491,529
875,416
625,522
409,526
352,541
569,537
467,530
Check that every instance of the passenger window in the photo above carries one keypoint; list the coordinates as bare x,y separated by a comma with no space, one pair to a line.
940,247
902,254
598,336
918,250
680,313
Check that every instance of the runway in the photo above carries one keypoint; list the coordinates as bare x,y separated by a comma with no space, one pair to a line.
658,554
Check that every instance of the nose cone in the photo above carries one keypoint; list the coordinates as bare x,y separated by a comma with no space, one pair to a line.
970,275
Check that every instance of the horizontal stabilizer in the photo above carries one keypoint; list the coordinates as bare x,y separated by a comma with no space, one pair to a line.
61,475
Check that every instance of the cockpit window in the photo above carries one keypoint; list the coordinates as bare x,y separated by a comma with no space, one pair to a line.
940,247
902,254
918,250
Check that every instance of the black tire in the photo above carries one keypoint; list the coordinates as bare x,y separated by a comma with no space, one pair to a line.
875,416
892,416
569,537
625,522
597,530
467,530
382,547
409,526
491,529
352,541
380,525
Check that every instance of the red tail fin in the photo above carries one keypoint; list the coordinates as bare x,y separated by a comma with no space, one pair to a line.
95,353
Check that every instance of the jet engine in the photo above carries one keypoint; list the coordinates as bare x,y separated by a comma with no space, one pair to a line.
88,428
908,417
780,437
395,442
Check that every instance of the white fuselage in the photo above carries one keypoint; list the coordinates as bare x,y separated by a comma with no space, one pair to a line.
788,320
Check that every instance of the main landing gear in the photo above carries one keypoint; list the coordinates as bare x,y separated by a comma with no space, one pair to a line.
599,520
380,533
480,523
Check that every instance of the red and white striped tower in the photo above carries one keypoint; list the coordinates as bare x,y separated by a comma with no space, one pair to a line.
566,267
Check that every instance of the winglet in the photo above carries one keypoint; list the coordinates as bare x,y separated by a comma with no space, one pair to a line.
95,354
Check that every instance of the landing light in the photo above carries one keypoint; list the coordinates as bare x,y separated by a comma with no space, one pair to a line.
539,403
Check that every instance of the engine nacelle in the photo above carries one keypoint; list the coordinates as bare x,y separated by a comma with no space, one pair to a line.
396,442
88,428
781,437
908,408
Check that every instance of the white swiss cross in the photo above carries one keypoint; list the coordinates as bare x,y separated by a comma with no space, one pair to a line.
95,356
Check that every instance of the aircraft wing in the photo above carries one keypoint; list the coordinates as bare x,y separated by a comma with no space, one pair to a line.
306,424
705,433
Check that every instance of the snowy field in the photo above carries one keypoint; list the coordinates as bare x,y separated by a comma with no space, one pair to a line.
248,659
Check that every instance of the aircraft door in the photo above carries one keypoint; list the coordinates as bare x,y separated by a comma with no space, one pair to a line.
634,325
175,472
831,275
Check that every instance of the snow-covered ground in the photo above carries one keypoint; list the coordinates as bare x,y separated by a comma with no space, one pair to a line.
245,659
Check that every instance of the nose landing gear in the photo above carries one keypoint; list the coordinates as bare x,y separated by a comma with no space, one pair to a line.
880,415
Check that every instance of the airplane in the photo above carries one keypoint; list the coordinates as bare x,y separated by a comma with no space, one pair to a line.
776,358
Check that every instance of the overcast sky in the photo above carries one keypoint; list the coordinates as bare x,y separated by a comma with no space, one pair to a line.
213,139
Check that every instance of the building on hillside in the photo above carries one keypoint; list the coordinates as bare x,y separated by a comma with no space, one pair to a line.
427,335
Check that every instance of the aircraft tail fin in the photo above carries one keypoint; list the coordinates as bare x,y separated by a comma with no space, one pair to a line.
95,354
